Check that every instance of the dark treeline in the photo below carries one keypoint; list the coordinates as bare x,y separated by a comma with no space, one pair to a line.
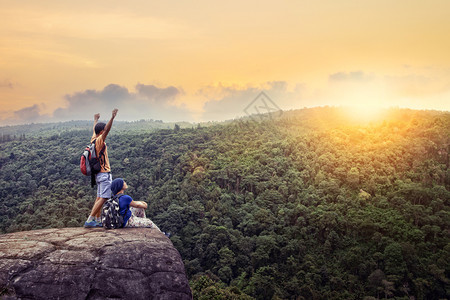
310,205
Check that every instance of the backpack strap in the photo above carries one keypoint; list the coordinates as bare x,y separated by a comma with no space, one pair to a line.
117,196
102,151
101,154
93,181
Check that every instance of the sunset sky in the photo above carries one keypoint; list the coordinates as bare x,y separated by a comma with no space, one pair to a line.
207,60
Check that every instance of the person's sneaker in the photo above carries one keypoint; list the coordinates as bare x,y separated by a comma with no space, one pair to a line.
92,224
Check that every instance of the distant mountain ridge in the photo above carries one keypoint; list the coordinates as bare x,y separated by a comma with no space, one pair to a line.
52,128
334,113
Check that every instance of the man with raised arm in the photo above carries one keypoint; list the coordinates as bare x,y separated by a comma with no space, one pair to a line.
103,178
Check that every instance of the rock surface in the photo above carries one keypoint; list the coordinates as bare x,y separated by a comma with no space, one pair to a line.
80,263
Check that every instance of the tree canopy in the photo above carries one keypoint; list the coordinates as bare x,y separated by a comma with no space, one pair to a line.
309,205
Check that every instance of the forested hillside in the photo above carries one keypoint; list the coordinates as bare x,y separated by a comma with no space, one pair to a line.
311,205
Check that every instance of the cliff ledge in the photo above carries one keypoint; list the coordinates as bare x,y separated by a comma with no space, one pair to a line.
79,263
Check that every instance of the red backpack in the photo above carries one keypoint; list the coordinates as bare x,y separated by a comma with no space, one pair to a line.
90,163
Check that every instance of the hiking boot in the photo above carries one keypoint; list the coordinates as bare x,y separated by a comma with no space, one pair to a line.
92,224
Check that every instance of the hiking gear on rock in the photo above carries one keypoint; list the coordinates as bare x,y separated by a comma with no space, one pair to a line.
111,218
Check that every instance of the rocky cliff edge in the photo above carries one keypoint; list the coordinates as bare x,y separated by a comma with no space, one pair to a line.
79,263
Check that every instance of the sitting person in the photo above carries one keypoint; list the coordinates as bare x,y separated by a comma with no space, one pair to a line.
133,212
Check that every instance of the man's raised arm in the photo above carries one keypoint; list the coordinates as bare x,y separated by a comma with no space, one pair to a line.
96,117
108,126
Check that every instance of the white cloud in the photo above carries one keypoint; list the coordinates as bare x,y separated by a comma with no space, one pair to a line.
31,113
223,102
148,102
228,102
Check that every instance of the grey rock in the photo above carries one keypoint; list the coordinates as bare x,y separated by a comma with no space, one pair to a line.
80,263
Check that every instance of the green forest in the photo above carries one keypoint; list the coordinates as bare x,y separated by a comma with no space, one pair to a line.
313,204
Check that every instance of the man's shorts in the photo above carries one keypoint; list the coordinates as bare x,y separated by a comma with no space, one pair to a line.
103,185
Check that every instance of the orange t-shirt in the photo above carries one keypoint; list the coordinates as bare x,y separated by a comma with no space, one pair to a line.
104,160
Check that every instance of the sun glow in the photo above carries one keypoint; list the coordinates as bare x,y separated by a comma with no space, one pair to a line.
362,101
364,113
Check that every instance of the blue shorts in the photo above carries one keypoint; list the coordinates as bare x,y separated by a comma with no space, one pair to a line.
103,185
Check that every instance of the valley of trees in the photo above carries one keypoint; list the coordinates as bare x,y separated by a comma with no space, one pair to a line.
310,205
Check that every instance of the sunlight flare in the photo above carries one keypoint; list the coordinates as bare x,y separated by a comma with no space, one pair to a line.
365,112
